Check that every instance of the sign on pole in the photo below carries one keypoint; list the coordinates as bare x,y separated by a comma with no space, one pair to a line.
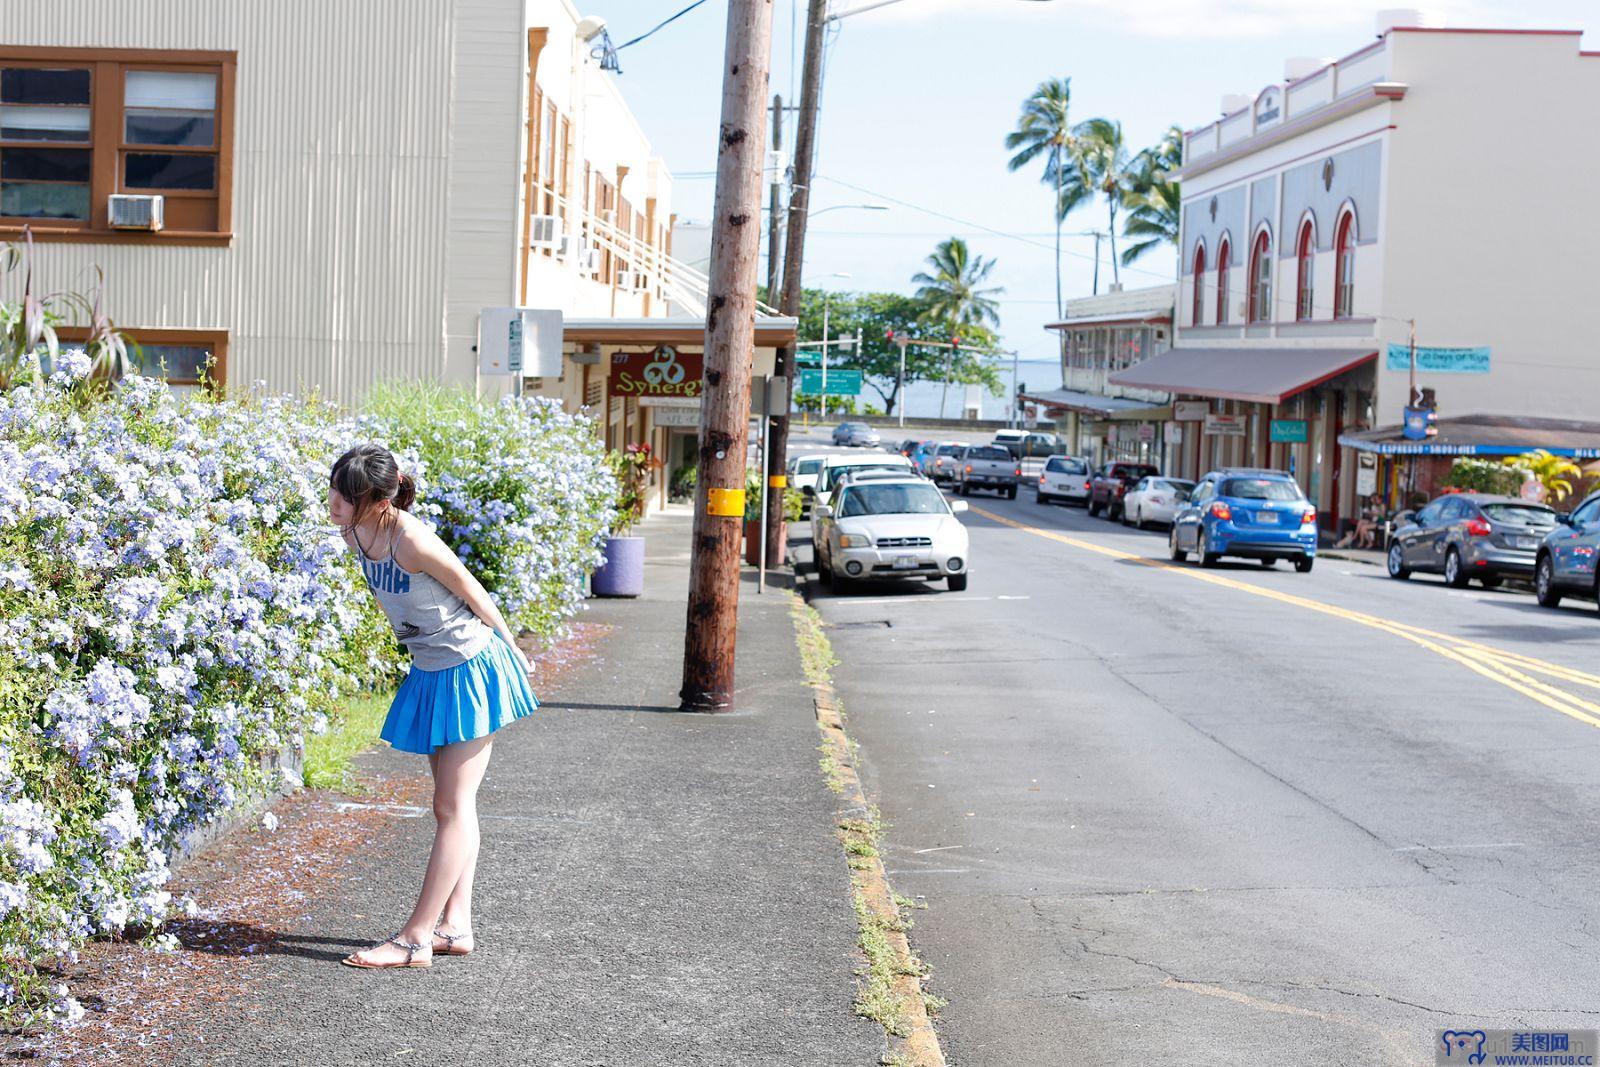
520,341
1191,410
1225,425
840,383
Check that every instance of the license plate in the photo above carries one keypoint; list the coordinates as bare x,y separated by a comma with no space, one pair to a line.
1525,542
905,563
1267,518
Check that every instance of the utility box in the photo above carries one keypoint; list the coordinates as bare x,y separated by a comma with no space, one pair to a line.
520,341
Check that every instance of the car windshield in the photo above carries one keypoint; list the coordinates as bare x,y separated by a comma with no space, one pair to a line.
1260,489
950,450
809,466
893,499
988,453
1177,484
1135,473
1520,514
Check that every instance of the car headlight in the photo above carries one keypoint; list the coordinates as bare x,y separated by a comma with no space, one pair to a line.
854,541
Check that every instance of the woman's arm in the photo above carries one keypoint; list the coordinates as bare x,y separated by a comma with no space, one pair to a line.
432,556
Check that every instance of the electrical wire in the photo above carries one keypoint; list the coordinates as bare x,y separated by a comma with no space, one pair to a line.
658,26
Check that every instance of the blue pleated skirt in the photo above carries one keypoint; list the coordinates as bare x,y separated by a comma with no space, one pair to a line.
461,703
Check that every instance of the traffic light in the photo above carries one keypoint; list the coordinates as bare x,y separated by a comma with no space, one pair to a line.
955,344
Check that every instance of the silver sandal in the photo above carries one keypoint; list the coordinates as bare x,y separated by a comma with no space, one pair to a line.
411,956
450,943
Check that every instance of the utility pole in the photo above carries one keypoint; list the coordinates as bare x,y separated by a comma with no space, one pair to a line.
713,612
794,246
774,222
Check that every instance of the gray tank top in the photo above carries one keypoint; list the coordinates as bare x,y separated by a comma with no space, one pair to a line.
436,625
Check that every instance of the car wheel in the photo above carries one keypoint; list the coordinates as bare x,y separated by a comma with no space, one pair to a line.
1011,492
1114,512
1397,563
1139,520
957,583
1178,555
1202,553
824,571
1491,581
1268,562
1454,576
1040,498
1304,564
1544,583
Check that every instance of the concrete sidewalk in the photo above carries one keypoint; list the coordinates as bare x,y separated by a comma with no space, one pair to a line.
654,888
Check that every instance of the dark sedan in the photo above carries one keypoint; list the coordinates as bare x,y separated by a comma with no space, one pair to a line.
1471,535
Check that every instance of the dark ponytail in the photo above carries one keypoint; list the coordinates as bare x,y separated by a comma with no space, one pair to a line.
406,494
366,476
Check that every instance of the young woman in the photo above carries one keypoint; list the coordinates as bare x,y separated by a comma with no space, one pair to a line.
467,680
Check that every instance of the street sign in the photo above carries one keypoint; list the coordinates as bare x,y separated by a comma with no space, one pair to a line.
808,359
840,382
1289,431
1191,410
1225,425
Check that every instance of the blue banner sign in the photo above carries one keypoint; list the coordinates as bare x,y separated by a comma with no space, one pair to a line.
1440,360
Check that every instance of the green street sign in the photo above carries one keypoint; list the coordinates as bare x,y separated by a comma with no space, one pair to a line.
1289,431
808,359
840,383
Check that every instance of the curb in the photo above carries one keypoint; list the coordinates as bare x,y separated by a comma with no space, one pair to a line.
918,1045
1336,554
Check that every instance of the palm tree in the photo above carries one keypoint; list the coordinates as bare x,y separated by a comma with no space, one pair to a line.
955,296
1043,129
1107,170
1553,472
1153,201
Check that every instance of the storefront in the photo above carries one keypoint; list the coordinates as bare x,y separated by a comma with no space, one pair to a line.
641,379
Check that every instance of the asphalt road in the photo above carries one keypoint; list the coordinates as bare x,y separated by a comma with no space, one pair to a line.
1240,815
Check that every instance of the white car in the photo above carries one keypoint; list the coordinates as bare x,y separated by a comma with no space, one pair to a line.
881,526
1064,478
1155,499
834,465
803,471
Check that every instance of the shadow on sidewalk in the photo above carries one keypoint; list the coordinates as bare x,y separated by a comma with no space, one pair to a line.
247,939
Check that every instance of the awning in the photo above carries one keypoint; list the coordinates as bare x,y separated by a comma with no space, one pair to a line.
772,331
1259,375
1104,407
1485,435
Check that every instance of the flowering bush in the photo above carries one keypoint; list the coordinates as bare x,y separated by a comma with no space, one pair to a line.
175,608
520,489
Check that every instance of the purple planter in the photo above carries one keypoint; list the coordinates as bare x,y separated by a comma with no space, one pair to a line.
622,573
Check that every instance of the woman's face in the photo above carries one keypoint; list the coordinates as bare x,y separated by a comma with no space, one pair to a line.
340,510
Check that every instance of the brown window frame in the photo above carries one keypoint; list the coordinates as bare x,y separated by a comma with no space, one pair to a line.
216,340
108,68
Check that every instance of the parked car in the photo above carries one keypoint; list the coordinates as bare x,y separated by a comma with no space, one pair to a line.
1249,513
987,467
908,446
1063,478
1155,499
944,464
1565,565
890,527
834,466
856,435
1472,535
922,455
803,472
1112,482
1024,445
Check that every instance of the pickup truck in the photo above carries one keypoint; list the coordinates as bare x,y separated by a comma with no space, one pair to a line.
1023,445
1112,483
987,467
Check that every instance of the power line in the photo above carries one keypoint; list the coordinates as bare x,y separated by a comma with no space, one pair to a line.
658,26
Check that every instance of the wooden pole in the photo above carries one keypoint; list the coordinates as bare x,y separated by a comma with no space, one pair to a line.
794,246
709,640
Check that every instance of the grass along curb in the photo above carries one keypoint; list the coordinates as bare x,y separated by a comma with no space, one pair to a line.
890,991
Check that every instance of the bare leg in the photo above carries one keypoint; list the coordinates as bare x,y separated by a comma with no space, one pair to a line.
458,771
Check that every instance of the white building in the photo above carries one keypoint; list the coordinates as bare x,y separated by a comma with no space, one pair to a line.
1427,177
343,188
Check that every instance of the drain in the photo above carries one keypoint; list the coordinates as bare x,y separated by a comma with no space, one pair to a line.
869,624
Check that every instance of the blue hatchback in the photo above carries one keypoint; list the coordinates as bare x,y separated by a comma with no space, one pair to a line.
1254,514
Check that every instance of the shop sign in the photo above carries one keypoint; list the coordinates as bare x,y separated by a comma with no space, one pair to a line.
1440,360
1419,424
1289,431
676,417
1269,106
1366,474
1174,433
1147,432
1191,410
665,372
1225,425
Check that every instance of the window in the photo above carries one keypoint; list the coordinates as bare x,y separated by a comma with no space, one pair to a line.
1199,282
1260,309
1224,251
1520,514
898,499
1306,254
1261,489
182,357
1587,513
78,125
1344,270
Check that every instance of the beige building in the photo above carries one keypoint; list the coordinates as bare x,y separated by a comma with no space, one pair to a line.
324,195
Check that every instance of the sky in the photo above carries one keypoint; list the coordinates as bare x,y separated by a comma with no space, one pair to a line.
918,97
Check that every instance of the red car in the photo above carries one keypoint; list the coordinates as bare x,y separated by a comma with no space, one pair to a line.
1112,482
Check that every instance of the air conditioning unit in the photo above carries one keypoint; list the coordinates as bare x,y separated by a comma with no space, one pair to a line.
634,281
136,212
544,231
564,246
588,260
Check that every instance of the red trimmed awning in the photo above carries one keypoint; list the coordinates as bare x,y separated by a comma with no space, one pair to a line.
1256,375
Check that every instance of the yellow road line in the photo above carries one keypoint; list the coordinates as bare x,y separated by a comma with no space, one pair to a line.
1498,665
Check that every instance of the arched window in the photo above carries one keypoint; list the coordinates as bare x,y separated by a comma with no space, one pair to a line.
1199,282
1260,305
1344,266
1306,256
1224,253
